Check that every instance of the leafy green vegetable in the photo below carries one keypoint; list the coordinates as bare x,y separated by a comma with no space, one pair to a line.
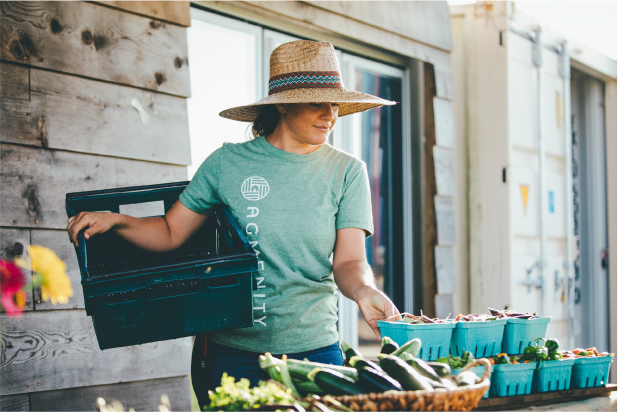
455,362
552,344
235,396
278,370
502,359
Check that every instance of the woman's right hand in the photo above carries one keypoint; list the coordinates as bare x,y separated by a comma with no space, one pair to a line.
96,222
156,234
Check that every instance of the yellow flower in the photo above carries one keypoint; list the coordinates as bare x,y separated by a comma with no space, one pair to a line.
20,299
55,285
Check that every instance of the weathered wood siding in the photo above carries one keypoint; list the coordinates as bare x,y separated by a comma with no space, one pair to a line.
439,229
420,20
48,350
430,231
142,395
99,43
445,204
81,115
177,12
93,96
35,181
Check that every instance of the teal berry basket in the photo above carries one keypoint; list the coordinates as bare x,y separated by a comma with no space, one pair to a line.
478,371
521,333
435,337
590,372
553,375
481,338
511,380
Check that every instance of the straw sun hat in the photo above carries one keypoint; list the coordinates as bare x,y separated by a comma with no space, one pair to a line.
305,71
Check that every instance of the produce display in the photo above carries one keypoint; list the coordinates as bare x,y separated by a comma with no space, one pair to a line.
400,371
516,350
397,369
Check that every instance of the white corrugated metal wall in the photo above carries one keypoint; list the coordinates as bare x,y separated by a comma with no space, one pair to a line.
520,209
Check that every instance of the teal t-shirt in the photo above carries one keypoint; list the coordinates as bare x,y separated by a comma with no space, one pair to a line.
289,207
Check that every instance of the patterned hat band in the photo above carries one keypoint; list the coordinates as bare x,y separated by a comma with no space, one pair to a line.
305,71
305,80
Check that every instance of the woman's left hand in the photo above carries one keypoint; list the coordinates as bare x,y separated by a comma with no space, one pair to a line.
354,279
375,306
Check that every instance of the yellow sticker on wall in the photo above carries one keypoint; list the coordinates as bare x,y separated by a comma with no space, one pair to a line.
524,195
559,110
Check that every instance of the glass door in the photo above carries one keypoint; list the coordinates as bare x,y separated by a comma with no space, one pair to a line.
377,137
591,284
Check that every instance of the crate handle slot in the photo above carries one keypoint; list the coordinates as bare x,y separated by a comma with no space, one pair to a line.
81,255
173,288
121,297
223,281
143,209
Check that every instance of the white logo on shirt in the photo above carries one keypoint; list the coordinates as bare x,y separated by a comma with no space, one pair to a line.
254,212
255,188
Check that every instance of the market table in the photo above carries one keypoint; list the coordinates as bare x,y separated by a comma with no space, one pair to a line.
601,398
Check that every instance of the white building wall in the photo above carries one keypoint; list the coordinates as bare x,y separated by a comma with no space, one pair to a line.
611,123
481,107
497,115
523,140
461,299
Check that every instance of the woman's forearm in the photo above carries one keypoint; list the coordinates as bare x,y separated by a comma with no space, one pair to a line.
354,279
157,234
150,233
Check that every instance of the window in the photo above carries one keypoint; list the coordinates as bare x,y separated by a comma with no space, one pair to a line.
220,80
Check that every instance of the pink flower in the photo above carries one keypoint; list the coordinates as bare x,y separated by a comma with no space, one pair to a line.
14,303
11,277
11,281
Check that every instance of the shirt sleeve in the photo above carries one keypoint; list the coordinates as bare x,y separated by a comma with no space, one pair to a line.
202,193
355,204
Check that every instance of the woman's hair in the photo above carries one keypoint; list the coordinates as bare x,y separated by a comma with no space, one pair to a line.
266,121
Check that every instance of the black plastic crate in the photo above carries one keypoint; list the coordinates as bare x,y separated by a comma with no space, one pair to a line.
135,296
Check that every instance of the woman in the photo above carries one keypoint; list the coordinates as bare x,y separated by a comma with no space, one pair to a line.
298,200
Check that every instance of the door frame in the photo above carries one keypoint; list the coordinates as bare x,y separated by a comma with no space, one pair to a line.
349,140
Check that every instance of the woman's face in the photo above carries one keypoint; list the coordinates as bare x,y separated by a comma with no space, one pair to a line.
308,123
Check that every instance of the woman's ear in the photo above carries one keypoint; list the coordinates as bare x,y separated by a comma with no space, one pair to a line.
281,107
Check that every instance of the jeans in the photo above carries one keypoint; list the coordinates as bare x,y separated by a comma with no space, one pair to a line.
206,371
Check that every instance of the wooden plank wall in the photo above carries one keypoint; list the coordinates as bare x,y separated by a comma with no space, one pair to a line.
439,228
93,96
